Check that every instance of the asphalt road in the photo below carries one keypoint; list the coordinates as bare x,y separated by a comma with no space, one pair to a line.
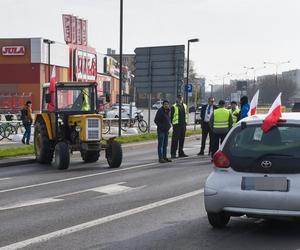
143,205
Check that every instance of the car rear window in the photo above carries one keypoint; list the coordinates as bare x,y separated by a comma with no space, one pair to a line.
248,148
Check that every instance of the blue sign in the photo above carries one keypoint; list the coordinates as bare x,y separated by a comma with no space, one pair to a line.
189,88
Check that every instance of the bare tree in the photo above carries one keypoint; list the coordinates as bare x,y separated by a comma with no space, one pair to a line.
270,88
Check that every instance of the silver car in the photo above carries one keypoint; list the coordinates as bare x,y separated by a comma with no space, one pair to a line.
256,174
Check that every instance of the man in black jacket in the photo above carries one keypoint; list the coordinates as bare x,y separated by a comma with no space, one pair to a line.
163,122
206,112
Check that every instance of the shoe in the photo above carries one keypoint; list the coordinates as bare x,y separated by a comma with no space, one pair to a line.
201,153
168,160
27,143
162,161
173,156
183,155
23,141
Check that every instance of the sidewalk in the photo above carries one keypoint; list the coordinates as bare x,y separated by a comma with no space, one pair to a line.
29,159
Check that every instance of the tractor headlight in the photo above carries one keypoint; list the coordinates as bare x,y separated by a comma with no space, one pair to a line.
77,129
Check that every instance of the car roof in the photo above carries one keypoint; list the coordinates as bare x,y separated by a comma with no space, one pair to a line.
293,117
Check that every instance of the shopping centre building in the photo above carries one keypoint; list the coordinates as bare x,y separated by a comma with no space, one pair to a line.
24,68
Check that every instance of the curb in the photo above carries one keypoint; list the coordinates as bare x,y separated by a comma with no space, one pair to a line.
17,161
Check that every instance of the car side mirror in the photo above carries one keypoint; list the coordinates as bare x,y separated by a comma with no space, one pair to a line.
107,97
48,98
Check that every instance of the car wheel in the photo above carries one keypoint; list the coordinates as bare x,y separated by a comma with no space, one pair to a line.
218,220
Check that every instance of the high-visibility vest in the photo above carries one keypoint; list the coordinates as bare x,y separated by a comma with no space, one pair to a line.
176,114
86,102
235,115
221,118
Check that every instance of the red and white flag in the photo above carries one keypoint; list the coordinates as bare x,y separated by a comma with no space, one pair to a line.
253,104
51,105
273,115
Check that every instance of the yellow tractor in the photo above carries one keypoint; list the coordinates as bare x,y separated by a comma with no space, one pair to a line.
70,122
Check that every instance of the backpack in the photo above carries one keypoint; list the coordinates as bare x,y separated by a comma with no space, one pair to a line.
24,117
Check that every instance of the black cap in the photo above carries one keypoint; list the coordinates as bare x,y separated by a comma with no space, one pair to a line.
179,95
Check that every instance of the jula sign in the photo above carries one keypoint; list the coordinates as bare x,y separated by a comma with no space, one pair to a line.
13,51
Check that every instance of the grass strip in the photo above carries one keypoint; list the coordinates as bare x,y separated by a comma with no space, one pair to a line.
16,151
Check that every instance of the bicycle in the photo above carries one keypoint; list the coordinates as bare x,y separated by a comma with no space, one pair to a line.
7,130
142,124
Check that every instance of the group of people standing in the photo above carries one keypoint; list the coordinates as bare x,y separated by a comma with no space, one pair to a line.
216,121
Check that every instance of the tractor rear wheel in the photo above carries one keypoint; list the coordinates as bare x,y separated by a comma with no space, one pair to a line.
42,144
114,154
90,156
62,155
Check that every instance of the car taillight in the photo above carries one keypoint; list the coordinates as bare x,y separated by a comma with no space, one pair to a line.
221,160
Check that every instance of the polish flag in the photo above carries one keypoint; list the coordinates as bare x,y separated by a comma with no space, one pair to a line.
51,105
273,115
253,104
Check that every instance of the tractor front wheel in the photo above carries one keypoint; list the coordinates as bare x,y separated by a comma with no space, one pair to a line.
114,154
62,155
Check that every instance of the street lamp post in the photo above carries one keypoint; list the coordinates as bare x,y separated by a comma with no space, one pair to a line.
276,64
211,90
121,68
49,42
195,40
254,71
228,74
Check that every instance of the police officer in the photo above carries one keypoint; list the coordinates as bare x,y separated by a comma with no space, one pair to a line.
235,112
220,122
179,119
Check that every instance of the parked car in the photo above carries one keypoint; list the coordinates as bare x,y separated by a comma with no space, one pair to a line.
157,105
256,174
198,116
114,111
296,107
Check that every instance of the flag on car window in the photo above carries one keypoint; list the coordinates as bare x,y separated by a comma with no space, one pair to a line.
273,115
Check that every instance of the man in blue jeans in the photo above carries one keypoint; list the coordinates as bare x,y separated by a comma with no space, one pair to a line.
163,122
26,117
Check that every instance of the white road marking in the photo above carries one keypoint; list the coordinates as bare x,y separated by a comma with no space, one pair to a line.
4,179
90,175
111,189
97,222
29,203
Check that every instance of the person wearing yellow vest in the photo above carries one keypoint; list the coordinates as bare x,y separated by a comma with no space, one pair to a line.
86,101
221,123
235,112
179,119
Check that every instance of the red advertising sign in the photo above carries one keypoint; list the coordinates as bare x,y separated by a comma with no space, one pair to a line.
73,29
67,28
84,32
13,51
85,67
79,31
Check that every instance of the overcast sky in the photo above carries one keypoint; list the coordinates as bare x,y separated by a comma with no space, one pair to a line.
232,33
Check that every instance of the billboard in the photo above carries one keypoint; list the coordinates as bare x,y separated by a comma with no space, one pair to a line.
85,67
75,30
160,70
